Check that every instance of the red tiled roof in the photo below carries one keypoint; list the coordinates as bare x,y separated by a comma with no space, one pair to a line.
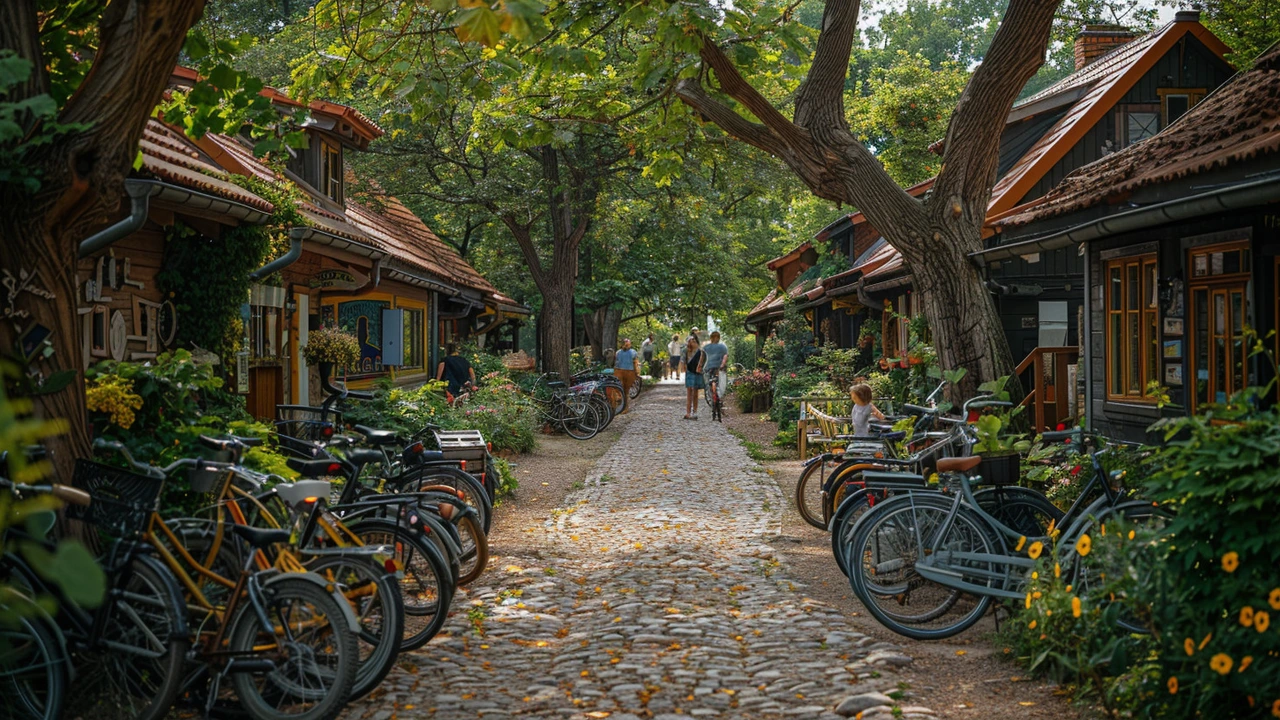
767,304
456,269
790,255
1239,122
168,155
1108,79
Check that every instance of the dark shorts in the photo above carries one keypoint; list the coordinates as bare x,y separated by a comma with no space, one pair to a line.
648,357
675,363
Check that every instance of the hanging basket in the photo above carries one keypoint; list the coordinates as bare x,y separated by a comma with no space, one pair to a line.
1000,469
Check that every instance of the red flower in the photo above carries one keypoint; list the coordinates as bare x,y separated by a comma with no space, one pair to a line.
1075,470
1061,427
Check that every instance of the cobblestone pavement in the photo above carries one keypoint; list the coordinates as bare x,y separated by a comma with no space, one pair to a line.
650,594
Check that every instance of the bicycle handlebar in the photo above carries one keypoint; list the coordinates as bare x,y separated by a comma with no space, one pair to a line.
151,471
920,409
65,493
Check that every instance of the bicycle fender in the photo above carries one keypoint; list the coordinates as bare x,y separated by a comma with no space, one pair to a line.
352,621
817,459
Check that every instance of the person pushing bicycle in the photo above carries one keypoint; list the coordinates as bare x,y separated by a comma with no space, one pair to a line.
714,368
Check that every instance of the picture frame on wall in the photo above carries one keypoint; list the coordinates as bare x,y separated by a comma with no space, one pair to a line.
1172,349
1172,326
1173,374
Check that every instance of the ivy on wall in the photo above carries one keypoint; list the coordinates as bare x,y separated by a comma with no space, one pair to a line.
208,278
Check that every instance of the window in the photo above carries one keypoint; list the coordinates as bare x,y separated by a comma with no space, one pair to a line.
1140,126
266,322
331,171
363,318
1175,102
1219,292
1133,336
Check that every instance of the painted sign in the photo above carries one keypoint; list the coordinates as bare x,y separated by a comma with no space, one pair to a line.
335,279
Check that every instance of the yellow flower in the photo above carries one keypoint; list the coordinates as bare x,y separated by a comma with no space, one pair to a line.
1083,545
1173,686
1032,625
1057,570
1274,599
1022,540
1028,601
1221,663
1245,662
1261,621
1275,709
1206,640
1231,561
1104,529
1190,646
1131,534
1034,551
1075,607
1246,616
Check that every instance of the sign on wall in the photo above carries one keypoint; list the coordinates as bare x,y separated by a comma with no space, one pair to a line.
338,279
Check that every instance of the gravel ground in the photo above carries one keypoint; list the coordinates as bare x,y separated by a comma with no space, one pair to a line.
962,677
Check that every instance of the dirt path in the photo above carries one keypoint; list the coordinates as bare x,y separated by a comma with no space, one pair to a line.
963,677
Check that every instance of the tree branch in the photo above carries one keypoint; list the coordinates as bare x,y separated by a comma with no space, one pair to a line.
692,94
820,99
736,87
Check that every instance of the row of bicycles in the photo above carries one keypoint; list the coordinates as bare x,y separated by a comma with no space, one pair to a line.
584,406
929,546
265,598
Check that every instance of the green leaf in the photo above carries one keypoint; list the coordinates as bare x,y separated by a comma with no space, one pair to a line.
479,24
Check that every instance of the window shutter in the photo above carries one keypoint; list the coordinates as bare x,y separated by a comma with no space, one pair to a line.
393,337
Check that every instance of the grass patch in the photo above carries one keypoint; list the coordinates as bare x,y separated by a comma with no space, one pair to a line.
756,451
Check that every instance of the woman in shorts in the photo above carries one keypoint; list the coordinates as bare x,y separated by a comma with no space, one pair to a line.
693,360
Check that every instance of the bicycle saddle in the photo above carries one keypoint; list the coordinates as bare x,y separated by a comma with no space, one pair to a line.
295,493
260,537
377,437
363,456
958,464
324,467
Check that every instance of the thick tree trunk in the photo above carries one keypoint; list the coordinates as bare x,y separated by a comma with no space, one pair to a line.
557,326
602,330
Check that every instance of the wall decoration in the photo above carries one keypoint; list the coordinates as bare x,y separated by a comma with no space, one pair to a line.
1172,326
99,344
15,286
1172,349
1173,374
119,336
1173,308
336,279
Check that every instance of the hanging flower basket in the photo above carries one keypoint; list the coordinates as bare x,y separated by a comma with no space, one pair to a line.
331,346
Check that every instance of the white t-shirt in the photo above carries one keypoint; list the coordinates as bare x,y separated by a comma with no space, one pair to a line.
861,419
675,348
646,347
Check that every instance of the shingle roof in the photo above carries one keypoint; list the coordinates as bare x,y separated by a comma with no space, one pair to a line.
1108,79
168,155
419,244
1239,122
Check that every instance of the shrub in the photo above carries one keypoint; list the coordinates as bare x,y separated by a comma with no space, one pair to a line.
746,388
330,344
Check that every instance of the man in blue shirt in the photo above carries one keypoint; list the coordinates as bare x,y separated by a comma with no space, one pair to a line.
717,360
626,366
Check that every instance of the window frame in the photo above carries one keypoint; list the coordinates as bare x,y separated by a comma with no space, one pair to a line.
331,186
424,334
1122,120
1217,284
1147,319
1193,95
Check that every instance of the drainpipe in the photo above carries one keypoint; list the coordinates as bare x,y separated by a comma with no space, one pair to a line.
140,192
377,271
296,236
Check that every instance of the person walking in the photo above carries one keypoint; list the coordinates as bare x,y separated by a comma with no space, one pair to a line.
675,352
455,370
646,350
693,382
626,365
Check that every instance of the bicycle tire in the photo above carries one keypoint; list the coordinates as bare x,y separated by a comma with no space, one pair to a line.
1022,510
334,672
636,387
145,617
843,522
375,599
473,492
883,575
809,496
604,409
583,425
425,589
475,549
33,663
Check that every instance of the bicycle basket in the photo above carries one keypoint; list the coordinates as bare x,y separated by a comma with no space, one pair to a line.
205,478
122,501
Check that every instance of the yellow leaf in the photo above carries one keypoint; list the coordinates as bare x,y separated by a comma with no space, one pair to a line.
960,652
1026,703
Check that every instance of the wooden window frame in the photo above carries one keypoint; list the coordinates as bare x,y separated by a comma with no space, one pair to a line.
1194,96
1141,314
360,380
328,148
422,307
1122,120
1215,284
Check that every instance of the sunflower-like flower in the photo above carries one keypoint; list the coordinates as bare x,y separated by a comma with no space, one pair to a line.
1274,599
1246,616
1245,662
1034,551
1190,646
1231,561
1173,685
1261,621
1084,545
1075,607
1221,663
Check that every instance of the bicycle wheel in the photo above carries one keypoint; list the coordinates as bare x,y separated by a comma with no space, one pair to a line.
33,662
843,523
473,492
425,590
809,492
634,392
604,409
884,553
475,549
134,669
580,423
1022,510
315,652
375,598
1089,575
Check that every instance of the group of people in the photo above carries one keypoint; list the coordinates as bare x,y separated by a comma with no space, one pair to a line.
695,361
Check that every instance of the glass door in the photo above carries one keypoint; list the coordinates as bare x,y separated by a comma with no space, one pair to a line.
1219,312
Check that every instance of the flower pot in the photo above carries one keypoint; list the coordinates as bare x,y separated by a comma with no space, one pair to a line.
326,371
1000,469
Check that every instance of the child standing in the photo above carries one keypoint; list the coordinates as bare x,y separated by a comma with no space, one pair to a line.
863,409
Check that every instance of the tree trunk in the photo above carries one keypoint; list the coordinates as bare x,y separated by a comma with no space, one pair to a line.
557,325
602,330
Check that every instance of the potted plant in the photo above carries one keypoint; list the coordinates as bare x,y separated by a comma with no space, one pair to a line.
1000,450
330,346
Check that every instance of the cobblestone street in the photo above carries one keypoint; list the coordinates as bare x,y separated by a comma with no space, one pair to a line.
650,593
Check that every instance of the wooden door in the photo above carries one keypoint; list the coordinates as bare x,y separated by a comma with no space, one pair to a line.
266,390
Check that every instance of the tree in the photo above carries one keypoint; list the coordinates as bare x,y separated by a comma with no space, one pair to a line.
81,110
936,234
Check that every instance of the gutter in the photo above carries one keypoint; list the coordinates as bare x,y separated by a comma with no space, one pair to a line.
887,285
1232,197
420,281
140,192
296,236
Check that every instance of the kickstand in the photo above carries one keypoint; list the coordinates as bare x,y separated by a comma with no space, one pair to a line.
215,681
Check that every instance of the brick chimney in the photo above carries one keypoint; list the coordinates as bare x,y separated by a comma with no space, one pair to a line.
1098,40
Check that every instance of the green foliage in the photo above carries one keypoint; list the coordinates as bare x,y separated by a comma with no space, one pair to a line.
1248,27
742,350
179,400
749,386
209,302
69,565
994,437
25,125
